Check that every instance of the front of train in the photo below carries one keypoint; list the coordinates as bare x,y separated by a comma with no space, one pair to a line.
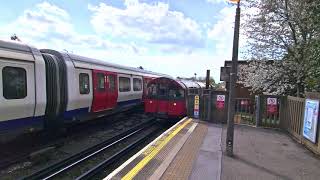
166,98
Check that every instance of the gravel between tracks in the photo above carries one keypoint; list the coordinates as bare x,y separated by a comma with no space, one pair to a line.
74,143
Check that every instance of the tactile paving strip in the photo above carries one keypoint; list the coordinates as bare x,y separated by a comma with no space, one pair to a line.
181,166
149,169
144,165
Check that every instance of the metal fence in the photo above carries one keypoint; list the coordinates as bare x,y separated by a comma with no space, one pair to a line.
251,111
263,111
209,108
283,112
269,111
244,111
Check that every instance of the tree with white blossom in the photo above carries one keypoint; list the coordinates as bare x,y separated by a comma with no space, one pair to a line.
287,32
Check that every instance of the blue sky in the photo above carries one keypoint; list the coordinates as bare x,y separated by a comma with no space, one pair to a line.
176,37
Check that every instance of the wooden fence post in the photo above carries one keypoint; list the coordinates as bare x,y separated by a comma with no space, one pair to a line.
283,113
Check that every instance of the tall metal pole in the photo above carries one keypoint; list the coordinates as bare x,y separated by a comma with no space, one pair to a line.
208,79
233,79
209,100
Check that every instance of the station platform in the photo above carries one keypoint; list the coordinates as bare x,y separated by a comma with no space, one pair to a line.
190,149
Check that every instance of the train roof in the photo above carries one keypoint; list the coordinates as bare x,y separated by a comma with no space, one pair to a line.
183,83
173,81
18,50
91,63
202,85
22,51
81,59
190,84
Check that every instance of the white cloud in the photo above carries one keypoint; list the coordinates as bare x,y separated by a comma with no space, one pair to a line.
48,26
223,30
216,1
169,36
153,23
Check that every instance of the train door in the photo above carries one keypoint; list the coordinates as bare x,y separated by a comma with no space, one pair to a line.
146,80
150,101
163,97
17,90
112,93
99,91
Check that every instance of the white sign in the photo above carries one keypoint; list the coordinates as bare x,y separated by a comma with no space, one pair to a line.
221,98
271,101
310,120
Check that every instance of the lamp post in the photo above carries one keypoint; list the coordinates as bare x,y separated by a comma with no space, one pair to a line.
233,79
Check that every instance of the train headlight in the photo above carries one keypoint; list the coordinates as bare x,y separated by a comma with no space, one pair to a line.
174,104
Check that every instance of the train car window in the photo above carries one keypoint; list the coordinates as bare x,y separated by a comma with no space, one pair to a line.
112,83
193,91
14,82
137,84
101,82
124,84
84,83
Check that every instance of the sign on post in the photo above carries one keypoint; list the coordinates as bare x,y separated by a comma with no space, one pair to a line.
310,120
272,106
196,107
220,102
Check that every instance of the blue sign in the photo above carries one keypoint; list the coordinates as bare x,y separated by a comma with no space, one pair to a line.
310,120
196,114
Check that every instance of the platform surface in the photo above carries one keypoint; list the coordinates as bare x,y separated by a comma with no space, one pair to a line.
189,150
195,150
267,154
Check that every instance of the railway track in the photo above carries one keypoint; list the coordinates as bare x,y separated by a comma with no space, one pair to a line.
22,148
139,134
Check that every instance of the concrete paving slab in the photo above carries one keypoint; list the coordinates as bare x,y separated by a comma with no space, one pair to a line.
208,162
267,154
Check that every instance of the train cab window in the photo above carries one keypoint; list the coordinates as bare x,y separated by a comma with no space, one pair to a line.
176,94
152,90
101,82
163,91
124,84
137,84
84,83
112,83
14,83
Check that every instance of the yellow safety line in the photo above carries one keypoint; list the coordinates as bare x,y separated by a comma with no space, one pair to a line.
133,172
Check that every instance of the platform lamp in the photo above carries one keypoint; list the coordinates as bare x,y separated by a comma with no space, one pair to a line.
233,78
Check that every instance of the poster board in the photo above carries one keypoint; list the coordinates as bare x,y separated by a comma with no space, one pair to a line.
310,120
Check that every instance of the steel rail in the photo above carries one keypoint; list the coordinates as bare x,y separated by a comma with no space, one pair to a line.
101,166
65,164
